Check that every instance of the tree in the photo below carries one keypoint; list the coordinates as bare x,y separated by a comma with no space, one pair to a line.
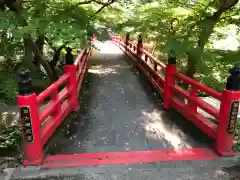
205,27
60,22
181,26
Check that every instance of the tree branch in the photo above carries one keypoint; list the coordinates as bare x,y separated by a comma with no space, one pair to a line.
104,5
96,1
50,44
36,51
225,6
84,2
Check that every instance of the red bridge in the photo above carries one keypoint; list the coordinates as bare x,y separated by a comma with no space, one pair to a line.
130,109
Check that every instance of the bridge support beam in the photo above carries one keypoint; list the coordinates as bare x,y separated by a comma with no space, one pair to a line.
169,81
127,39
29,122
72,85
139,46
228,114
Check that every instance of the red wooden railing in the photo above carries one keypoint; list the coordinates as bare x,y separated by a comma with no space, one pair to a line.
163,78
45,120
38,123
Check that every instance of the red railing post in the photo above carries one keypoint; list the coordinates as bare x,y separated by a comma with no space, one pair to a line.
118,39
113,38
127,39
169,81
54,98
139,46
193,94
29,121
93,38
228,114
72,85
146,58
86,63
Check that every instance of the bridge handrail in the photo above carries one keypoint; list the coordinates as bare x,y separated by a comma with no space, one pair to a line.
45,119
158,79
162,65
79,58
222,130
47,92
199,86
147,55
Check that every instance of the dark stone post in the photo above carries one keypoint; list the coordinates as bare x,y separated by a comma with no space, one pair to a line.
228,114
69,56
172,59
29,120
25,82
233,81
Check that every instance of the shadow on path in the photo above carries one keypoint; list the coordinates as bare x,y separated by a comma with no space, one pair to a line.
120,111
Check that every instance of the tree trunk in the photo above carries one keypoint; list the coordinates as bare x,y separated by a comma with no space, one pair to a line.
28,55
41,59
195,56
17,8
206,31
191,65
39,43
56,56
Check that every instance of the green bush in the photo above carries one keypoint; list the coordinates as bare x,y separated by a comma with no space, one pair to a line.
8,85
10,137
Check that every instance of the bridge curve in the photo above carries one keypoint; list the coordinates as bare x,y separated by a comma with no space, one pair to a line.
120,111
124,114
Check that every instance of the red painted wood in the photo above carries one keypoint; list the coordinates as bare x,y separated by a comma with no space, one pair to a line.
132,157
199,120
224,142
33,152
47,92
169,82
197,101
44,127
200,86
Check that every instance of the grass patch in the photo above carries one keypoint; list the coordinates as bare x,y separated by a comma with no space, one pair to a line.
236,144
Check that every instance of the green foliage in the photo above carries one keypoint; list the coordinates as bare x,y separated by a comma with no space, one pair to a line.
8,82
8,87
178,26
170,25
61,22
9,137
